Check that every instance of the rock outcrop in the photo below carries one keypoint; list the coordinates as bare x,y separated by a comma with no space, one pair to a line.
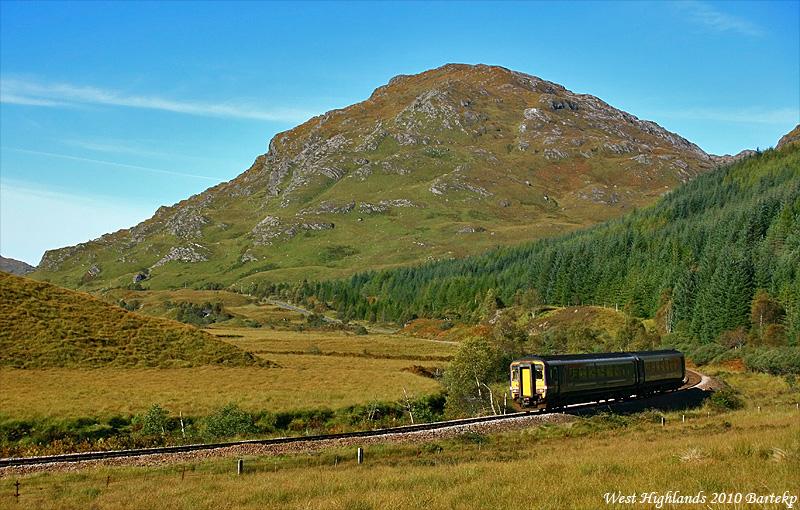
424,155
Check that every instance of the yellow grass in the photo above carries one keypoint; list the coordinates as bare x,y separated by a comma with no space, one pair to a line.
301,382
265,340
337,369
744,451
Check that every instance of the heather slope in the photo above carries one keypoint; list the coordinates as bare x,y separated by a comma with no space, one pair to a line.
42,325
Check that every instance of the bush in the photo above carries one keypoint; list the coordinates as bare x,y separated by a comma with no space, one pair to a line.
725,399
154,422
230,421
776,361
706,353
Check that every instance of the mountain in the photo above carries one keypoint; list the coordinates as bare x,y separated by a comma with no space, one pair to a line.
717,258
14,266
42,325
792,137
438,165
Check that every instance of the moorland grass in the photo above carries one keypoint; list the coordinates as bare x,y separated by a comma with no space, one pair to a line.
552,466
342,343
300,382
43,326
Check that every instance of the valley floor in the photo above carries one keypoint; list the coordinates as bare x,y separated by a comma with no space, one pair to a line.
317,369
573,465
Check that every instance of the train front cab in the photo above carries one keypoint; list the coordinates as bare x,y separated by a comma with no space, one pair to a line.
528,385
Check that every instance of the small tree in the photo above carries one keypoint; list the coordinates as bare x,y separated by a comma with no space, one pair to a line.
230,421
491,303
531,299
733,339
154,421
476,364
764,310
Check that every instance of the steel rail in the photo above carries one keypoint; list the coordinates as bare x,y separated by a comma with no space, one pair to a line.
404,429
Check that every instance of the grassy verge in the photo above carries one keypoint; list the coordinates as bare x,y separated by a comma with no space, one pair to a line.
552,466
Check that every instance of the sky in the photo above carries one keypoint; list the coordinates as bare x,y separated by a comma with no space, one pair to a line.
110,110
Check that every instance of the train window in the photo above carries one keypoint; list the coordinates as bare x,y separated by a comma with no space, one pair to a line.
539,372
515,375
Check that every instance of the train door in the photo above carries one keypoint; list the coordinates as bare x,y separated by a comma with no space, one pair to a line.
526,382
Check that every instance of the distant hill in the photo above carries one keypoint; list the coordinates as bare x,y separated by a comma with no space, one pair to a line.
42,325
438,165
14,266
716,259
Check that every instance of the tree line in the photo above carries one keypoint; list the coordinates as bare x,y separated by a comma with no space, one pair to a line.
716,259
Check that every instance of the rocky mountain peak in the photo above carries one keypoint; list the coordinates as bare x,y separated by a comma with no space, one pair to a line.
507,154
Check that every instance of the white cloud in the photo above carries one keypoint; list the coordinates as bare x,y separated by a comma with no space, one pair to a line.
111,163
32,93
705,14
33,220
778,116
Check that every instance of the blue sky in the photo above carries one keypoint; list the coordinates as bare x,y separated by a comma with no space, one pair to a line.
109,110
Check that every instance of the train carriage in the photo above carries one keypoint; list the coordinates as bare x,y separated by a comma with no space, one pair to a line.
555,381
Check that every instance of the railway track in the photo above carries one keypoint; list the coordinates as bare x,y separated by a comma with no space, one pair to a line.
693,380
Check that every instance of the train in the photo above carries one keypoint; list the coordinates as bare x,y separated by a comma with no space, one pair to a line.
552,382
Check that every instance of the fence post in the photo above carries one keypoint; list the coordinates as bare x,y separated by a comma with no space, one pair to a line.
683,418
16,492
663,421
360,455
240,466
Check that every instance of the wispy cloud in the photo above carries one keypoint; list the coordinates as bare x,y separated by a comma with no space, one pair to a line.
109,163
33,93
711,18
779,116
128,147
27,210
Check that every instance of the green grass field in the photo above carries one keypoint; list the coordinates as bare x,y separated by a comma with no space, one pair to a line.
548,466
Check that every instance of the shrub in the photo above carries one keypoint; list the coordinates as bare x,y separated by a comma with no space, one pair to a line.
725,399
154,421
229,421
706,353
776,361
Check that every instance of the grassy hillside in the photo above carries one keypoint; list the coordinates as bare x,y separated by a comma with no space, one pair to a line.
439,165
717,259
42,325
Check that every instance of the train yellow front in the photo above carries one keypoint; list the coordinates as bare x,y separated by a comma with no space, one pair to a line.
549,382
